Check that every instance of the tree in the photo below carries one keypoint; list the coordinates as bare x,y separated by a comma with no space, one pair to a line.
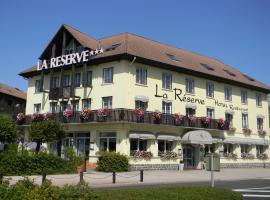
8,130
46,131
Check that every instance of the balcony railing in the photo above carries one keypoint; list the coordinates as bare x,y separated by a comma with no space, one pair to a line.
63,92
127,115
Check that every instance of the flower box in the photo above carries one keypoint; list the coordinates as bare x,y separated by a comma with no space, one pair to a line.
36,117
20,118
169,155
178,119
247,131
221,123
139,114
205,121
261,132
262,156
231,130
230,155
247,156
157,117
191,120
85,115
142,154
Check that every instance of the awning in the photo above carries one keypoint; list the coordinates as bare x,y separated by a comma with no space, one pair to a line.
142,135
191,105
197,137
229,111
169,137
141,98
234,140
216,140
260,116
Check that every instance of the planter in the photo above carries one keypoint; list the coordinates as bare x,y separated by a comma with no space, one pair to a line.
181,166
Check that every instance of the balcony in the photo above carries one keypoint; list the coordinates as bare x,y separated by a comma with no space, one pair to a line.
57,93
127,115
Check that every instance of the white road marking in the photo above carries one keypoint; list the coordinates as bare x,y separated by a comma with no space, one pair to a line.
255,195
258,188
247,190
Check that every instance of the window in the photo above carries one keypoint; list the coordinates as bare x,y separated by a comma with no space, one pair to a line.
108,75
164,145
190,86
141,76
260,123
207,66
258,100
210,90
77,81
229,119
141,104
37,86
167,81
86,103
75,105
113,47
55,82
209,148
63,106
53,107
244,97
107,142
66,80
107,102
173,57
210,112
244,148
228,93
190,111
37,107
166,107
88,77
138,145
229,72
244,120
82,141
259,149
228,148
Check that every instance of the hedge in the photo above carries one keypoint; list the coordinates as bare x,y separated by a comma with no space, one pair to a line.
112,162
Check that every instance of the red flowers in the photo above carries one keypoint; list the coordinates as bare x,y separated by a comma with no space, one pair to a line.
191,118
47,116
205,120
138,112
261,132
221,122
20,117
85,114
103,112
68,113
247,131
178,117
157,115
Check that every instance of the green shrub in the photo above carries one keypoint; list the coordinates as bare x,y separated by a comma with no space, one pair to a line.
112,162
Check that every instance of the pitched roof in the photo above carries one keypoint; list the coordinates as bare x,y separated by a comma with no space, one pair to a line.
148,49
5,89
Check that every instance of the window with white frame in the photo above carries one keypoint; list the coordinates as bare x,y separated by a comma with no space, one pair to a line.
229,118
189,85
37,107
63,106
167,81
108,75
55,82
88,78
209,148
260,149
86,103
165,145
210,90
75,105
244,148
244,120
82,141
77,81
228,93
228,148
107,102
258,100
141,104
37,86
66,80
166,107
141,76
259,123
210,113
138,145
190,111
107,141
244,97
53,107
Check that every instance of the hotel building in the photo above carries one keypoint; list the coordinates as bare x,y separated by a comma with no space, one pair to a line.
155,103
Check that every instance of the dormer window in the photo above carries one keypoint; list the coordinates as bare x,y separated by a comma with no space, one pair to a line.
207,66
229,72
113,47
173,57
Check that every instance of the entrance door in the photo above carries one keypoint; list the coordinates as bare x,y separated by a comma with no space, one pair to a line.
188,156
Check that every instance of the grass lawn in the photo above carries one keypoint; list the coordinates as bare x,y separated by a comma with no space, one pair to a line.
181,193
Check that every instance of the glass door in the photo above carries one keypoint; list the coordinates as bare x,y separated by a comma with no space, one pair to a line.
188,156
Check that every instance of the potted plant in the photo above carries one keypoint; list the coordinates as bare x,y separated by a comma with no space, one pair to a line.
85,114
191,120
102,114
178,119
168,155
247,131
157,117
262,156
221,123
139,114
181,165
261,132
230,155
36,117
20,118
142,155
231,130
47,116
205,121
67,115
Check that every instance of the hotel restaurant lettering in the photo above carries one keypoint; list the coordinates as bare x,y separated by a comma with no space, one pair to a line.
157,104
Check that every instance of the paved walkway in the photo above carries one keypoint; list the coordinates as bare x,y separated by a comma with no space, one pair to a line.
104,180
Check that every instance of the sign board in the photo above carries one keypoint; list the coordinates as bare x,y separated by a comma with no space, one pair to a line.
216,162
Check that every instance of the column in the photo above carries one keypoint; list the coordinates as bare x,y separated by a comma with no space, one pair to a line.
94,145
122,142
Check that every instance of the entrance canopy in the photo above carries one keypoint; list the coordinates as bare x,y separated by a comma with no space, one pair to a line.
197,137
142,135
235,140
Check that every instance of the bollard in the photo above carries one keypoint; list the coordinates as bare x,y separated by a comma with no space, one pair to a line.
113,178
141,175
85,159
81,176
43,178
1,178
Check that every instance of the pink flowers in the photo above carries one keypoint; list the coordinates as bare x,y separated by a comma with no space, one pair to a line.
85,114
247,131
68,113
103,112
142,154
47,116
230,155
261,132
157,115
205,120
247,156
221,122
232,130
138,112
20,117
178,117
191,118
36,116
262,156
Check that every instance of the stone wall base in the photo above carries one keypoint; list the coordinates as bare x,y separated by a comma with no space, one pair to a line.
245,165
135,167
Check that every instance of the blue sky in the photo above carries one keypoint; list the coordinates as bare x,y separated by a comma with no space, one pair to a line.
236,32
